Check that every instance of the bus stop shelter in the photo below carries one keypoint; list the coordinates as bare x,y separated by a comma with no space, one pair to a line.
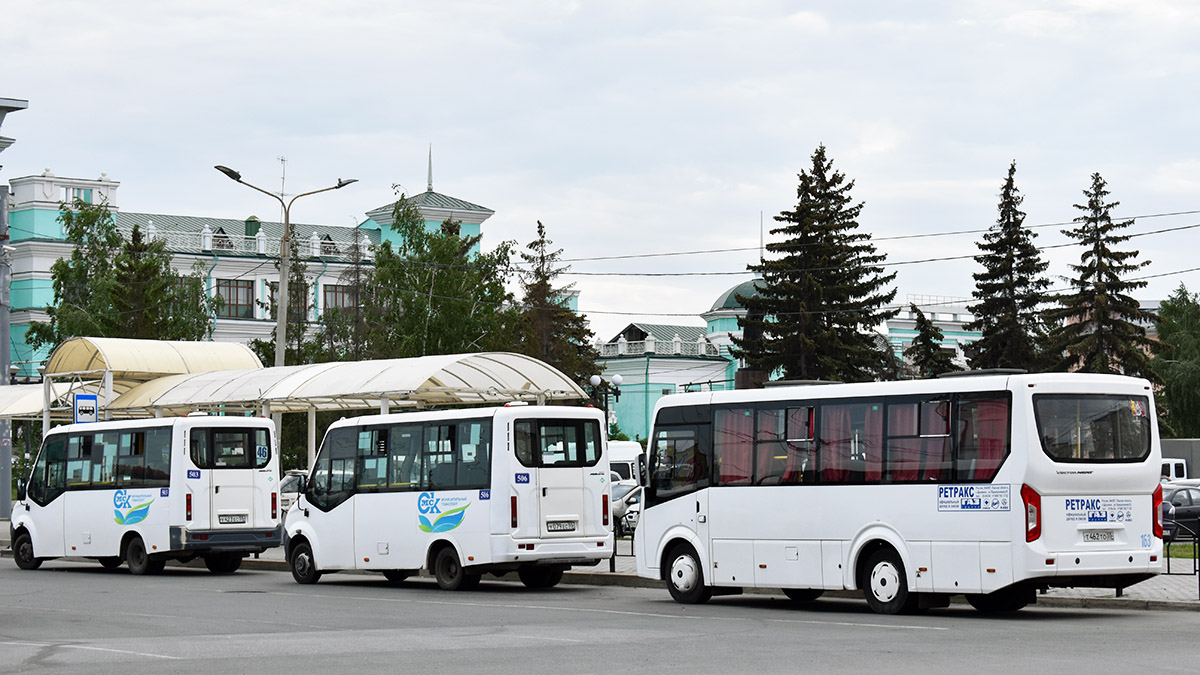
149,378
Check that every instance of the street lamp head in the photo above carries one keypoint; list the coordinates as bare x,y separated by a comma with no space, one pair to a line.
617,380
342,182
594,380
231,173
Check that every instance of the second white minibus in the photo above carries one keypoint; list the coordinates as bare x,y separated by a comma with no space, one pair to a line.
459,493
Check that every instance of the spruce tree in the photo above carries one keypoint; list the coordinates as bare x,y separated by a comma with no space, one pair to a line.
822,298
1009,291
549,330
925,352
1098,327
151,301
1177,365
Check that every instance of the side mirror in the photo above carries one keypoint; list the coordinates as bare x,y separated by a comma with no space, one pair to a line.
22,483
302,485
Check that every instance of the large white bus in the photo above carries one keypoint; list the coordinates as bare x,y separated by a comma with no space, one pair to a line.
459,493
992,486
147,491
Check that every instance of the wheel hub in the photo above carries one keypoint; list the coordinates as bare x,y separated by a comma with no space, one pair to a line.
885,581
684,573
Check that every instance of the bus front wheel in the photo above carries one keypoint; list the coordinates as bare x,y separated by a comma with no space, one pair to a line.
685,579
885,584
450,574
304,567
23,552
140,561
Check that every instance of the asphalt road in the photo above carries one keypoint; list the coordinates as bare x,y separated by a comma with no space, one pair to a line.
78,618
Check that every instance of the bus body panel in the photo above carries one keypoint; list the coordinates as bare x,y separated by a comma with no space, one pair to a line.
1096,517
44,524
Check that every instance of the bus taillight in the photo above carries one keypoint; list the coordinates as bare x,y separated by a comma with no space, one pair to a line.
1033,513
1158,516
604,510
188,501
274,505
514,512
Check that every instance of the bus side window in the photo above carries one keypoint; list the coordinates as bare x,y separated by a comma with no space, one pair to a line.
523,440
473,454
104,459
199,450
333,473
48,479
404,456
371,473
438,457
678,465
156,446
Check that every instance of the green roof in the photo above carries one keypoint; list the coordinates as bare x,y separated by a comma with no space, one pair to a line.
728,299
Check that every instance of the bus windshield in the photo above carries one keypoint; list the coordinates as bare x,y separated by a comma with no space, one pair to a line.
1083,428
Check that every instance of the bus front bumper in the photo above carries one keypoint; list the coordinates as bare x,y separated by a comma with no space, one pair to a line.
228,541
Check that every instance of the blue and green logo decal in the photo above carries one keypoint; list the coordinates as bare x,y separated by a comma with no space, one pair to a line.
130,509
451,517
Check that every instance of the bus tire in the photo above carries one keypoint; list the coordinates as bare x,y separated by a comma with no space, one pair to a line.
139,559
111,562
223,563
803,594
450,574
540,577
885,584
396,576
685,578
303,565
23,552
1002,601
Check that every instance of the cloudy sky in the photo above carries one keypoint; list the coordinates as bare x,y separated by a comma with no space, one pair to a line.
631,128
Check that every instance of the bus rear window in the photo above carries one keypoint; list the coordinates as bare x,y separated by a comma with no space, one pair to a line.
230,448
1093,428
557,442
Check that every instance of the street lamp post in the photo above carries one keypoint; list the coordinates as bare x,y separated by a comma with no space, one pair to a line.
285,258
601,390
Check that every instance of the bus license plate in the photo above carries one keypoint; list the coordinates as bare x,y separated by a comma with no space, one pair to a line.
560,526
238,519
1097,535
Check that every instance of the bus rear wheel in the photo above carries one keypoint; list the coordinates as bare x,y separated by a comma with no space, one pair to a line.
23,552
885,584
450,574
223,563
685,579
1002,601
540,577
140,561
303,565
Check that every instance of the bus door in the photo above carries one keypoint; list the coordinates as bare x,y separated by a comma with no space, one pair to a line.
234,458
330,493
561,482
44,498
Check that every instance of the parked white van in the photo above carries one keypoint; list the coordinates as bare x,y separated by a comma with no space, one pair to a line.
627,459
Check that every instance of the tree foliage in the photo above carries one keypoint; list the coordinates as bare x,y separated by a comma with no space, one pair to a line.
821,299
549,329
925,352
1177,364
1098,326
1009,291
110,287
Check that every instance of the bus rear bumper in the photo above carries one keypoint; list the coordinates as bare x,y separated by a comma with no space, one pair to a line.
583,552
1093,569
226,541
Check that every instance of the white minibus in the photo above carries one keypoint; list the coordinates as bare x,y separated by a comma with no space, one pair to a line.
147,491
994,486
459,493
627,459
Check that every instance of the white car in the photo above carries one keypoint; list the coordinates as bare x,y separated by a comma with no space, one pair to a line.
624,493
289,490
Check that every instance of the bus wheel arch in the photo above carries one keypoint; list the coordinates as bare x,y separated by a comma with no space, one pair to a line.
882,575
683,570
447,567
301,561
22,547
137,557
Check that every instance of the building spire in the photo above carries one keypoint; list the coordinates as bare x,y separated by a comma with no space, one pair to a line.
429,187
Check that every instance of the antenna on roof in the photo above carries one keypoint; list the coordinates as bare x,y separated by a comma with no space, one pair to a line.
282,182
760,236
429,188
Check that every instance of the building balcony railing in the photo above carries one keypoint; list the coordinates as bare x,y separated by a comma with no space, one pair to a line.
677,347
206,241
